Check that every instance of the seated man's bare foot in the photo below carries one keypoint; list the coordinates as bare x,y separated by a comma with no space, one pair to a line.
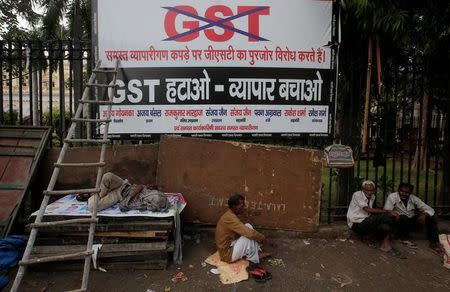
264,255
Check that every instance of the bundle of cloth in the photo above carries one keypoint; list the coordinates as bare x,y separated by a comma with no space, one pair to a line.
11,250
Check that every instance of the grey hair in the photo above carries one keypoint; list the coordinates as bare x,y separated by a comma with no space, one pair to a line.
367,183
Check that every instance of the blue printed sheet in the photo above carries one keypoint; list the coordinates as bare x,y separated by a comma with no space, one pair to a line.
69,206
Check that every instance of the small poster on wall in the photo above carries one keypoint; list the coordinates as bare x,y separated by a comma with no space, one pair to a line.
338,156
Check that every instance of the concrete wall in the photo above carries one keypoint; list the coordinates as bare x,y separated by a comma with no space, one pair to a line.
134,162
281,185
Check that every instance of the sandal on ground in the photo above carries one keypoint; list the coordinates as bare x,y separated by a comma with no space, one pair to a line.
82,197
251,266
259,276
395,254
267,274
409,243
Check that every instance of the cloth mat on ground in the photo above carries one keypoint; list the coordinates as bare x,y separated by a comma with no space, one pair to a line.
229,273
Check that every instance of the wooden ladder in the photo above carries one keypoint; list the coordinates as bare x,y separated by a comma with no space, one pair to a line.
87,254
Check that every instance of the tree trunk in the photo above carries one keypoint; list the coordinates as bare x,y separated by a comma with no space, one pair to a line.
62,101
367,99
35,82
77,65
380,82
77,81
421,148
444,194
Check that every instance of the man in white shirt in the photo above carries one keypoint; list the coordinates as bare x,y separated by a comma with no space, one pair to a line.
364,219
413,212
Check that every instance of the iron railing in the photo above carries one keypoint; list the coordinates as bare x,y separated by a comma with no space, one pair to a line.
41,82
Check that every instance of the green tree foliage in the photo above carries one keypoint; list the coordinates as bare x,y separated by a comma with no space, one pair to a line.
406,29
10,10
77,14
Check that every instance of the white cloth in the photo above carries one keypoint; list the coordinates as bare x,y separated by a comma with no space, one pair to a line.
245,247
393,202
356,212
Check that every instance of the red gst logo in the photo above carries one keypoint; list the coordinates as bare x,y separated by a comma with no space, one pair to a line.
215,16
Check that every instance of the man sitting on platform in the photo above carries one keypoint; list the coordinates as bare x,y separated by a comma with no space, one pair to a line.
114,189
236,240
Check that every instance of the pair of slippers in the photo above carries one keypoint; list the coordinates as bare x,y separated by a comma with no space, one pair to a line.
259,274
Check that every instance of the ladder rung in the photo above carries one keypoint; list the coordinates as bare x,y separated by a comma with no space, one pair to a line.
83,164
104,71
98,141
63,222
96,101
68,192
91,120
101,85
57,258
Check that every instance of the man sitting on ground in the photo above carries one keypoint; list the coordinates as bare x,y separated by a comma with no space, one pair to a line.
364,219
413,212
234,239
114,189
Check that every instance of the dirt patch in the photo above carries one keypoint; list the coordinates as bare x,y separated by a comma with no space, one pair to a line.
307,265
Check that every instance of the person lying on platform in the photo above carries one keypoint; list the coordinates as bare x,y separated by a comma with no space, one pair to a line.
236,240
365,220
413,212
114,189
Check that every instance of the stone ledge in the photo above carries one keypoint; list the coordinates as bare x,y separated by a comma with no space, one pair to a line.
325,231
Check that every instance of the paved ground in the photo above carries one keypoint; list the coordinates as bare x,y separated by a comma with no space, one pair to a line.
309,265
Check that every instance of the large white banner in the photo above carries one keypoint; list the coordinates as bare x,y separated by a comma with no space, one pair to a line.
188,55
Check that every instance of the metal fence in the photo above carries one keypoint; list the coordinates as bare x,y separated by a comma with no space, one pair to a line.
408,141
42,81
